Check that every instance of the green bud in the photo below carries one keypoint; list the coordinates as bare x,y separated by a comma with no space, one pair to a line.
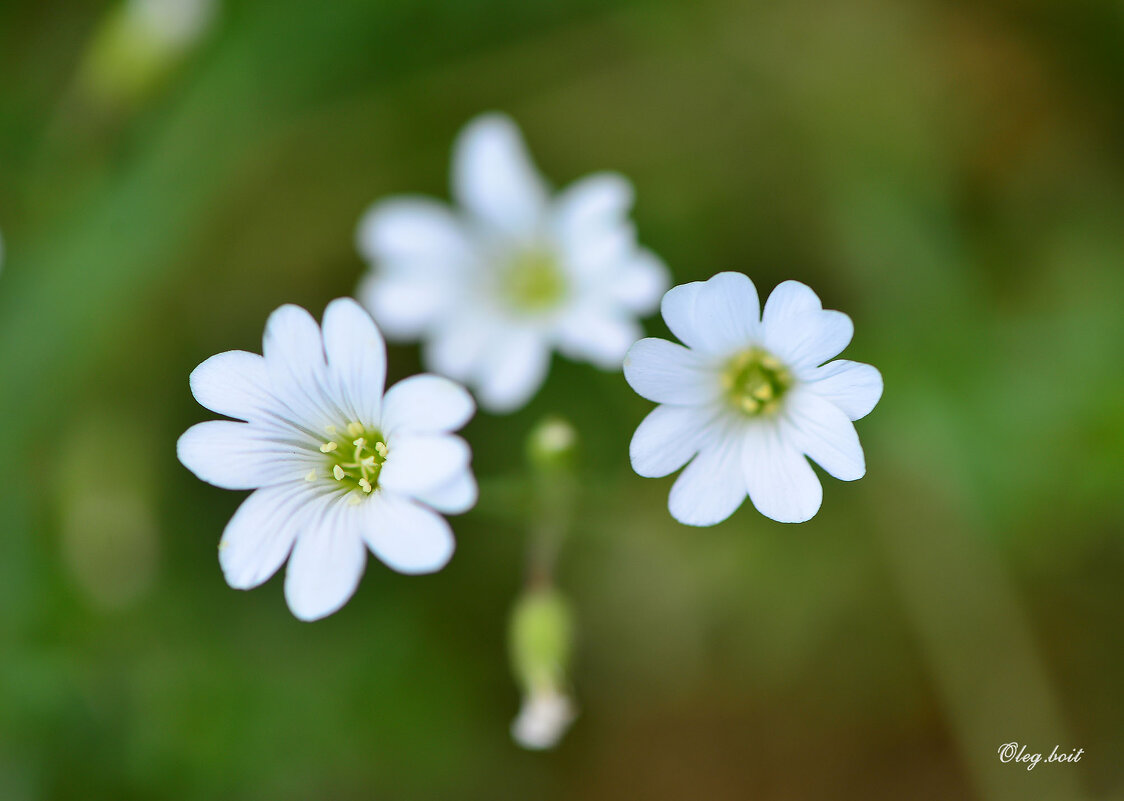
137,45
552,444
541,638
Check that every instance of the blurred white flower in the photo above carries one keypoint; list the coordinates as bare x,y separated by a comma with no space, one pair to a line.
336,465
748,399
494,287
543,718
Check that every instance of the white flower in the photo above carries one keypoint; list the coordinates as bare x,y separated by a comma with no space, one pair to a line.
543,719
748,399
493,288
337,467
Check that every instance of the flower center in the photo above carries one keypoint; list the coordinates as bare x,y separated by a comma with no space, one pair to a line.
755,381
355,457
532,281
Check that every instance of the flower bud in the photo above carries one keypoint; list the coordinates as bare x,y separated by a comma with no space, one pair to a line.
541,636
552,444
139,43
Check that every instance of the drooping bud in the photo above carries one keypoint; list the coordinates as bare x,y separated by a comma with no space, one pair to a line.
541,639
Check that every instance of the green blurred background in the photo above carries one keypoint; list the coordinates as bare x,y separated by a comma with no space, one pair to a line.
951,174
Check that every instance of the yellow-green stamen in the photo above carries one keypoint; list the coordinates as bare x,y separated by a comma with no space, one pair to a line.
355,460
533,281
755,382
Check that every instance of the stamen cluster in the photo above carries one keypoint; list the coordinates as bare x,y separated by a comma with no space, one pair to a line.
356,459
755,381
533,281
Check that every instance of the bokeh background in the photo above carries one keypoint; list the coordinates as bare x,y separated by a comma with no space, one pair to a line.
951,174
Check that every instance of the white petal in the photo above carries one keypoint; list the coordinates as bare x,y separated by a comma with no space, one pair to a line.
413,230
822,431
356,359
639,283
236,384
667,438
678,310
808,339
426,404
788,299
458,346
455,496
717,316
419,462
598,335
664,372
420,255
327,560
260,535
240,456
592,225
781,483
711,488
727,313
406,305
493,176
512,370
406,537
594,202
294,358
852,386
597,255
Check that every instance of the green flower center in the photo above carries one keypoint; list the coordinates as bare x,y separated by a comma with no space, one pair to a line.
755,381
355,457
533,281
